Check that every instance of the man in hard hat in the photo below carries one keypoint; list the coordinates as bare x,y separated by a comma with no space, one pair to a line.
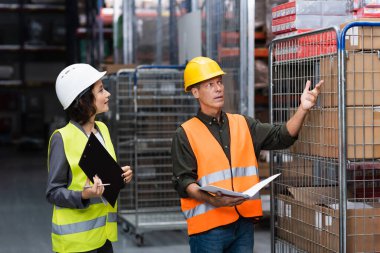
218,148
82,220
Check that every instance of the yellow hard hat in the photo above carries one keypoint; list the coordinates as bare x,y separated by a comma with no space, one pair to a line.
200,69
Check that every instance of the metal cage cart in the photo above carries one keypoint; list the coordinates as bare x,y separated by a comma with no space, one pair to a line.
151,104
327,199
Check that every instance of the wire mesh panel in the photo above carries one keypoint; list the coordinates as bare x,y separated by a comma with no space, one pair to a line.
151,105
304,219
361,45
123,120
327,199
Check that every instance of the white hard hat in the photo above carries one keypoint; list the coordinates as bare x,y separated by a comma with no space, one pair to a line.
73,80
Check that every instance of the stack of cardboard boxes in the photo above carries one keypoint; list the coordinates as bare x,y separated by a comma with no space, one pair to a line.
320,134
308,203
307,219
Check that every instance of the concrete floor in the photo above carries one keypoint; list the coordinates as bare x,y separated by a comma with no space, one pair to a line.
26,216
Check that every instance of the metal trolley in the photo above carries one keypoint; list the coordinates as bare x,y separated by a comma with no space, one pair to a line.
327,199
150,106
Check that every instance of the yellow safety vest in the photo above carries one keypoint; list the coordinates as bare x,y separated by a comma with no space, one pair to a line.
78,230
213,168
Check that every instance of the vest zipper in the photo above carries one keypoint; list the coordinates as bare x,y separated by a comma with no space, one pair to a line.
229,162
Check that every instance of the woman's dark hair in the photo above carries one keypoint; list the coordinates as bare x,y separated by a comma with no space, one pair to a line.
83,107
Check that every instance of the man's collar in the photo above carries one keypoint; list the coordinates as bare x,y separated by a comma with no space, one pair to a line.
210,119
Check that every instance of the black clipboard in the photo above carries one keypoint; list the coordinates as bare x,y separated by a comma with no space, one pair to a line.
96,160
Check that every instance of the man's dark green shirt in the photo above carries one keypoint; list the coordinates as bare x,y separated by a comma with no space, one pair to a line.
264,136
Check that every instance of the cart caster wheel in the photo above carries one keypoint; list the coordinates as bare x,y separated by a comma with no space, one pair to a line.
125,227
139,240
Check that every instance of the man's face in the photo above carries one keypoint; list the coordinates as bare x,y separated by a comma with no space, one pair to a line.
210,95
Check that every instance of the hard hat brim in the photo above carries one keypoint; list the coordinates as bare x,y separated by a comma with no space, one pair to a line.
92,80
219,73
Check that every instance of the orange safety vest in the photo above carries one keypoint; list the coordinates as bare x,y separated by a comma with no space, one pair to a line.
214,169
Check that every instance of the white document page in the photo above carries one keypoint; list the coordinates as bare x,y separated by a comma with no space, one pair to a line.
246,194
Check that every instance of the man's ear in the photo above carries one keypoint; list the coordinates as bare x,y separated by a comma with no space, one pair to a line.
195,92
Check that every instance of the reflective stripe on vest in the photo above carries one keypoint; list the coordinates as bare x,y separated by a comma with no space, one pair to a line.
92,225
79,227
226,174
83,226
213,168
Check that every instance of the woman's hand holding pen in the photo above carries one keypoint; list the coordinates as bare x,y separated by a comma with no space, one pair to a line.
127,175
95,191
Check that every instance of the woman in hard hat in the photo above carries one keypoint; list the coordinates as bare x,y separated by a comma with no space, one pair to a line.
220,149
82,221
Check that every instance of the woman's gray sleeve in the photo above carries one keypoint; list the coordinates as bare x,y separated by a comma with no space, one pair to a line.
60,177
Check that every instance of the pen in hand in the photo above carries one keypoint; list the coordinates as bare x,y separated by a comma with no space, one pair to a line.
103,200
89,186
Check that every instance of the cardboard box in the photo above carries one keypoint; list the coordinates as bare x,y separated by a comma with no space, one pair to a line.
309,142
300,220
329,74
362,132
362,38
362,75
309,219
362,87
363,221
319,135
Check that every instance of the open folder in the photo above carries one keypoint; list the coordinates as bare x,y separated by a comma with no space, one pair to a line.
246,194
96,160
